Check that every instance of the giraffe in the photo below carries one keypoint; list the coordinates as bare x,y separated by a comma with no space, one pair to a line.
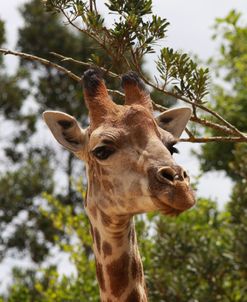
130,170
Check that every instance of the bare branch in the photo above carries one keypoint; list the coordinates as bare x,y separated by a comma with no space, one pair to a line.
56,66
201,121
227,139
225,129
84,64
116,92
42,61
190,134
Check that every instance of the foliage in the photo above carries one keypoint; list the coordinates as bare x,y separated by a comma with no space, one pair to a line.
231,158
230,98
12,94
238,209
175,67
19,191
192,258
134,32
130,28
21,195
45,285
16,188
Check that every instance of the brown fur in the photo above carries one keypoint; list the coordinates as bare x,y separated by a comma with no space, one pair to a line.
135,92
100,276
96,97
97,239
105,219
91,230
118,272
134,296
93,211
107,249
108,186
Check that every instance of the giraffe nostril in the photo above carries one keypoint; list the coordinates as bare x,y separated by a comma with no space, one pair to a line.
166,174
185,175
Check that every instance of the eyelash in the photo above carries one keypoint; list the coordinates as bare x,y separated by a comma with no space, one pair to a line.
103,152
173,149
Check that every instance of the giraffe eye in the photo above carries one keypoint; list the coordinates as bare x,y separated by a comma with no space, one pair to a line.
173,150
103,152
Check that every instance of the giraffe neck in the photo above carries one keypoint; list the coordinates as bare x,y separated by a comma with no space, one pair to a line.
118,263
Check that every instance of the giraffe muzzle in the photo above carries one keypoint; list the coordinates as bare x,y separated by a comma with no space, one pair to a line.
170,187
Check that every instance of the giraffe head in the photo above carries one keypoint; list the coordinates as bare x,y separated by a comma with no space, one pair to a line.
128,152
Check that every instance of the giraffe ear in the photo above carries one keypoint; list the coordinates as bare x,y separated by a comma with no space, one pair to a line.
174,120
65,129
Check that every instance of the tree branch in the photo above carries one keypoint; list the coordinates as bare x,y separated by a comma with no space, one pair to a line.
42,61
225,129
190,134
228,139
177,96
56,66
84,64
87,32
200,121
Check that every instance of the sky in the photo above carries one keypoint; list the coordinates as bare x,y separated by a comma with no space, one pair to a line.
190,29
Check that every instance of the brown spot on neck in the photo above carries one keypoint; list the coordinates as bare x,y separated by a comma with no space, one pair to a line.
134,296
118,261
118,272
107,248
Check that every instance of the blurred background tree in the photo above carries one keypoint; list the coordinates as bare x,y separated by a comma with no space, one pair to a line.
231,101
200,256
27,94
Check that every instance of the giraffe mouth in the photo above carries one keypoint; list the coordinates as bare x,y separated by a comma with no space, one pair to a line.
175,202
166,209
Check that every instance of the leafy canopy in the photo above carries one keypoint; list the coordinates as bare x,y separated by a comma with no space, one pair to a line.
133,34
